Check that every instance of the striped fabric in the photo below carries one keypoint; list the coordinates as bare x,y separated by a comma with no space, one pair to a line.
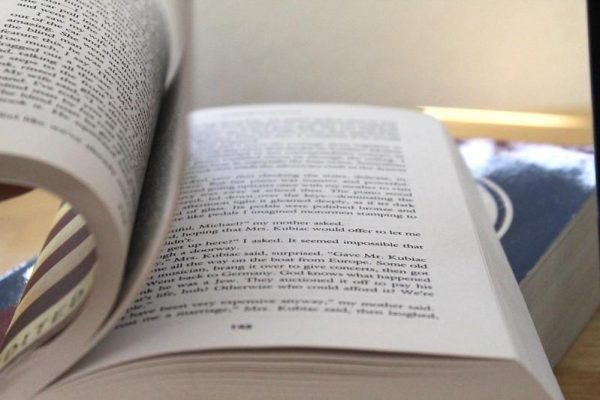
60,282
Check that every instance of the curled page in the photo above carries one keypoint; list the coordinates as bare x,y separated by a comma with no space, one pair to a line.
81,94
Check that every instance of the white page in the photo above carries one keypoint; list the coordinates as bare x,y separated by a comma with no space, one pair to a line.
466,319
524,336
81,85
81,89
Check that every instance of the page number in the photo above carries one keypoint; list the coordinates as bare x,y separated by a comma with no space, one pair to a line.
241,327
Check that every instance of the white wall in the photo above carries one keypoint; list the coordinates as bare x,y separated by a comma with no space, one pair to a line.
508,54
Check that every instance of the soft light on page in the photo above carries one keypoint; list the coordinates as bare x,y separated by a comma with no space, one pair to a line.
513,118
568,128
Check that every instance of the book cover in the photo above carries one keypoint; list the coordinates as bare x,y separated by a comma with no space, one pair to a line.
531,192
12,285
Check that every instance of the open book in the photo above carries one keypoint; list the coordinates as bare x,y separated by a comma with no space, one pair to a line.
313,251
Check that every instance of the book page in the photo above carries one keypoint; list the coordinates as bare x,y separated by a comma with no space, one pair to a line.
81,84
316,226
523,332
80,87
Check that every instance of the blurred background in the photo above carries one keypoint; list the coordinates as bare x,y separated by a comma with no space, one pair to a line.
510,55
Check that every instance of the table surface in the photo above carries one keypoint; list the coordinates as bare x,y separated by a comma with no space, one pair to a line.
25,221
578,372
